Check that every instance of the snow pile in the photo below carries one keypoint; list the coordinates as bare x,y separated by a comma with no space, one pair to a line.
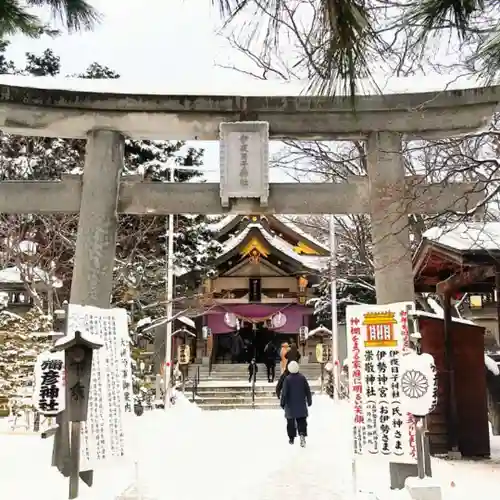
435,307
491,365
186,406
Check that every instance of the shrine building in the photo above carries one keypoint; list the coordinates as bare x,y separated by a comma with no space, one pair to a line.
260,288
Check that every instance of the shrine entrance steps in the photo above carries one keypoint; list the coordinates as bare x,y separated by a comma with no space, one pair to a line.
227,371
227,388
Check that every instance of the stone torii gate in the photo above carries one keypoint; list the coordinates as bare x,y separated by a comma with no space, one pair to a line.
105,119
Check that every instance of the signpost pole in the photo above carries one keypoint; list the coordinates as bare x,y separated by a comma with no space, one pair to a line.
169,297
427,452
419,437
333,291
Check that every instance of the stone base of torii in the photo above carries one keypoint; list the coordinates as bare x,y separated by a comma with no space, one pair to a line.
106,119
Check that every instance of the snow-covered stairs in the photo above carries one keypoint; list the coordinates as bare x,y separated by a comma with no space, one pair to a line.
239,397
227,387
232,372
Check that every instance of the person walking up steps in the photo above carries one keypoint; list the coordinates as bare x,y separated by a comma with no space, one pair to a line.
271,353
283,361
295,399
293,353
252,371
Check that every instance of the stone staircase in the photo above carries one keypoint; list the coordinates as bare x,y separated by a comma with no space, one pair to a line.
227,387
226,371
237,397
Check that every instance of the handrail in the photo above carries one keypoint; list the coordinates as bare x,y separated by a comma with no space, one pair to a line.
196,382
210,362
253,392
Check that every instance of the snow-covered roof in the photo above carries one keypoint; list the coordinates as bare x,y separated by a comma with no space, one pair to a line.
187,321
320,330
467,236
492,365
13,275
218,225
425,314
309,261
294,227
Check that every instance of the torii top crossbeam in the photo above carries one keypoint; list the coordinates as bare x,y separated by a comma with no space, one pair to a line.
60,112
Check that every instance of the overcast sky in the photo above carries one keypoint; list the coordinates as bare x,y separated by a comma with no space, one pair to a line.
171,43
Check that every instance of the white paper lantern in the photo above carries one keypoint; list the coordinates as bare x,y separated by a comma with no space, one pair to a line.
418,382
231,320
278,320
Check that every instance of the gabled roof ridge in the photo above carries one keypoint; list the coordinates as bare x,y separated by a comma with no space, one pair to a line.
219,227
300,232
280,244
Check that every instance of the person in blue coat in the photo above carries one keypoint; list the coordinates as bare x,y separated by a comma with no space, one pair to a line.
295,399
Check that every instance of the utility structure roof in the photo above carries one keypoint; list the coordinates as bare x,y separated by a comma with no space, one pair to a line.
456,250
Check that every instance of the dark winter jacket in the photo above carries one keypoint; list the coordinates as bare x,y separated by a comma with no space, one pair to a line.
237,345
271,353
279,385
296,396
252,368
293,354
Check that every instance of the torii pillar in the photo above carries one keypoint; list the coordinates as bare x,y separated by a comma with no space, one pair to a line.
92,280
390,239
389,217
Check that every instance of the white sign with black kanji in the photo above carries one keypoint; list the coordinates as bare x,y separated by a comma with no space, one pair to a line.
49,396
103,435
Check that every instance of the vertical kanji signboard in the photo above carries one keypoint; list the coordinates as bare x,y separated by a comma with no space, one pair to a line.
103,434
378,336
49,396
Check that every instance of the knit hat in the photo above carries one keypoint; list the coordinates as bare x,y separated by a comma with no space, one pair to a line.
293,367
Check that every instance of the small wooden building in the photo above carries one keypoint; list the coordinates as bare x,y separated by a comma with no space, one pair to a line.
468,380
461,263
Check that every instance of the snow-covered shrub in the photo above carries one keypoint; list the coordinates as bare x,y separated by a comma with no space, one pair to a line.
22,338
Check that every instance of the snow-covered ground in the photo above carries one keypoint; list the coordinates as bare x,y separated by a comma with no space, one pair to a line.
232,455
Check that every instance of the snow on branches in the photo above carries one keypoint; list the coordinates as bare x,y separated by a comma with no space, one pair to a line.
22,339
141,246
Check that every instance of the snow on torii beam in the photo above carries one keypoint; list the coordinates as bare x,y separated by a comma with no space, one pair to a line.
157,198
72,113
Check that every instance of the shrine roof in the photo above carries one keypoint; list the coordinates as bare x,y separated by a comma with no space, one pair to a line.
312,262
285,219
458,243
452,249
473,236
221,224
232,221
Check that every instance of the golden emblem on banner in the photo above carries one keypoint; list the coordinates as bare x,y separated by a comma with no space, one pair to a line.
380,329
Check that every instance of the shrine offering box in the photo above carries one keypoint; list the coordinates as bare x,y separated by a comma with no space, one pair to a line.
467,341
